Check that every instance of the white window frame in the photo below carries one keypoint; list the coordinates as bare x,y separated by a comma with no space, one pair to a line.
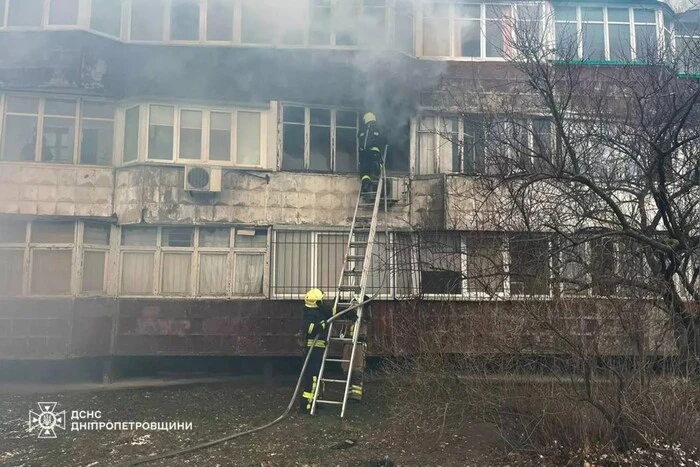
40,116
144,128
307,137
159,250
606,32
84,247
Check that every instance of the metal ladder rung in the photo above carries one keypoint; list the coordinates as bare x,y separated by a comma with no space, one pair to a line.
328,380
321,401
353,273
355,258
358,244
340,360
340,339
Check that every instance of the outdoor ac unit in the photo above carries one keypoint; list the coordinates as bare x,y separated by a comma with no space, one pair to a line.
395,189
203,179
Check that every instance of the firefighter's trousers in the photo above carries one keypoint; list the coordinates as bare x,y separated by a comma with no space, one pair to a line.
310,378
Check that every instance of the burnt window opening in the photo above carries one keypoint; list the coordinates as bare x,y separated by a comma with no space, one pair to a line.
319,140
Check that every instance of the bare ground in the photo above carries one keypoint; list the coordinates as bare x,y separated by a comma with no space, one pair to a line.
216,410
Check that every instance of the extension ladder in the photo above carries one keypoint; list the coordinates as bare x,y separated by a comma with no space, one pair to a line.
351,287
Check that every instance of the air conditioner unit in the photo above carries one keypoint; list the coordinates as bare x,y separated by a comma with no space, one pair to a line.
203,179
395,190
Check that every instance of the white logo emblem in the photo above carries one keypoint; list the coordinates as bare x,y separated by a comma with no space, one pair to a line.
47,419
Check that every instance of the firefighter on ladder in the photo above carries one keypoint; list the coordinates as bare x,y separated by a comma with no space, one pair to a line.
316,313
357,374
370,142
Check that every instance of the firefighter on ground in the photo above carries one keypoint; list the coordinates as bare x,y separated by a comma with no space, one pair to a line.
316,314
357,375
370,146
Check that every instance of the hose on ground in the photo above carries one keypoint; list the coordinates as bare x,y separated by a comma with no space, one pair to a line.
214,442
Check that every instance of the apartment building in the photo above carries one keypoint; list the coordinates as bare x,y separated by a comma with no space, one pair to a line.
175,174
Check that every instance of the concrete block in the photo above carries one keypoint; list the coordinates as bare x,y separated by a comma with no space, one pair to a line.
28,193
65,193
66,177
47,193
9,192
27,207
46,208
105,178
65,209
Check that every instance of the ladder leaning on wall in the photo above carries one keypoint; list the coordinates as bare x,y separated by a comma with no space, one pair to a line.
352,286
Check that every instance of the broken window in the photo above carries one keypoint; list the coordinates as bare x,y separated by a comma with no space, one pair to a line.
51,250
320,128
160,132
131,134
147,18
96,129
95,253
63,12
219,20
529,264
106,16
25,13
441,264
184,20
58,136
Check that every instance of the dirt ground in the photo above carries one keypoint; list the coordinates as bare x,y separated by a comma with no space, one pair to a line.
216,410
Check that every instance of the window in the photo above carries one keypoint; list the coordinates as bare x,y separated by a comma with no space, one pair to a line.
170,124
147,18
63,12
529,266
451,145
220,20
96,133
25,13
106,16
20,133
131,134
205,261
436,30
485,270
184,20
613,33
441,264
602,266
573,268
45,130
12,253
51,250
308,134
256,27
95,254
138,251
404,24
645,33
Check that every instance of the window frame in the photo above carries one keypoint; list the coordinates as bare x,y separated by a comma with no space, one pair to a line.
40,119
606,29
307,138
143,134
196,251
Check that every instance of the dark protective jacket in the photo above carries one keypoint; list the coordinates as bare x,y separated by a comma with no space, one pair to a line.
315,324
370,138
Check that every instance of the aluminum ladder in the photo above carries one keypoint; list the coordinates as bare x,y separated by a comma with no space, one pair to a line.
356,265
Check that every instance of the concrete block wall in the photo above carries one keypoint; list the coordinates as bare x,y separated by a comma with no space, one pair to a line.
56,190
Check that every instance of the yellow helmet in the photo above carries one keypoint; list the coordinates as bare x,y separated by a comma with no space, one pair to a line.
312,297
369,117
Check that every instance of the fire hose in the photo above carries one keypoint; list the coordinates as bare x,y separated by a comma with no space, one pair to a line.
144,460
